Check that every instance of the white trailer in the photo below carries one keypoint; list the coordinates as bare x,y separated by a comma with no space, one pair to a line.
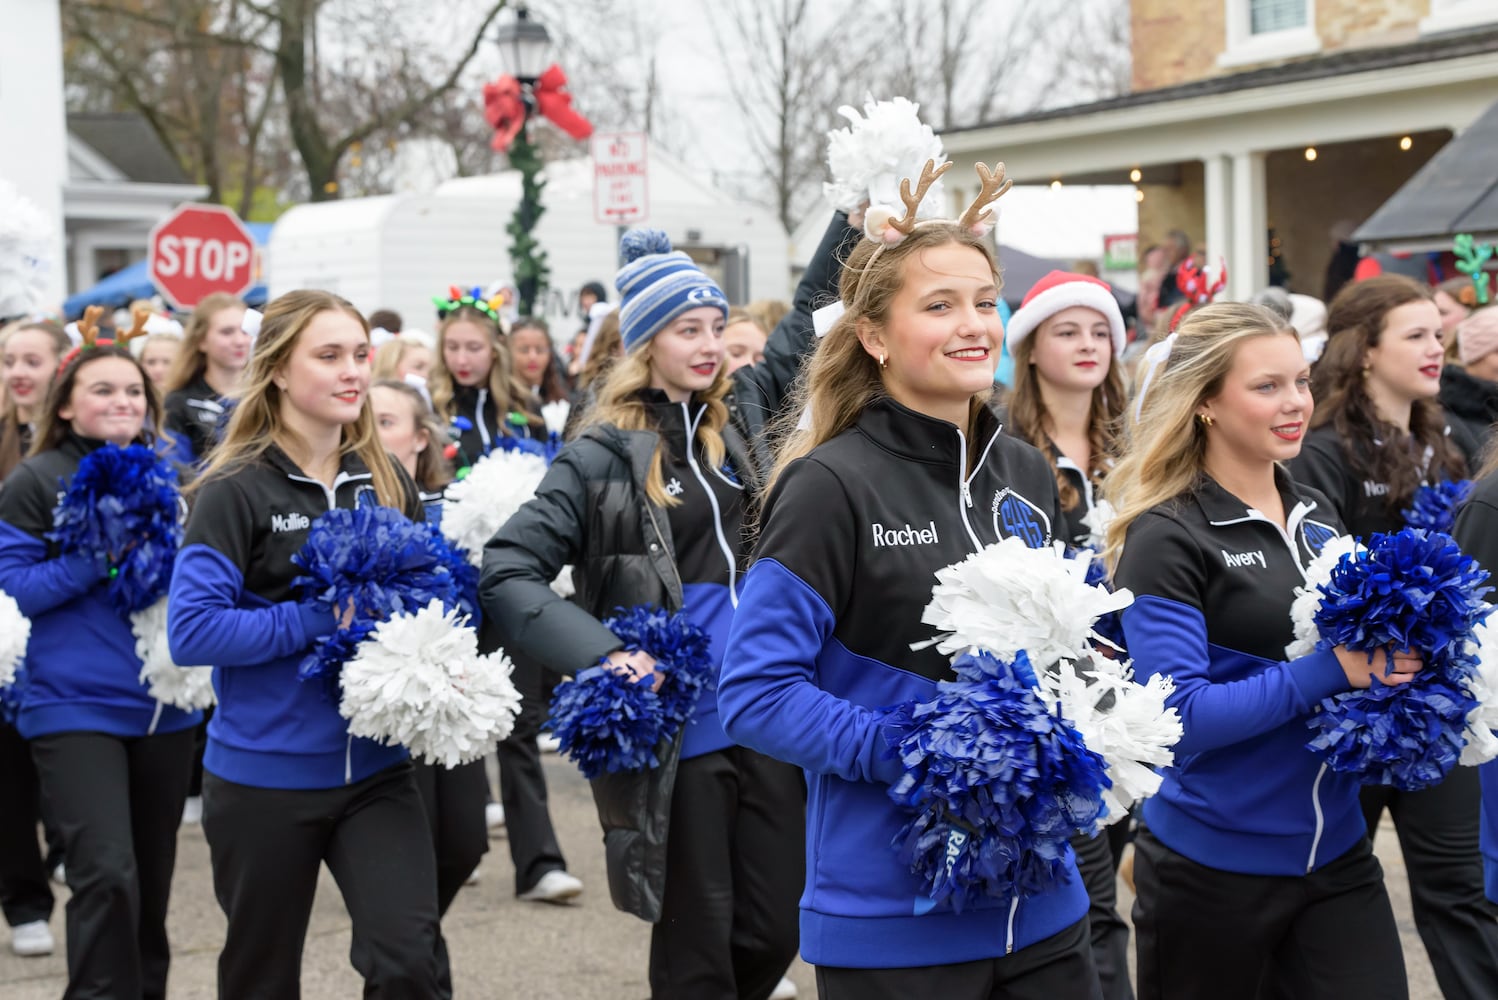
397,251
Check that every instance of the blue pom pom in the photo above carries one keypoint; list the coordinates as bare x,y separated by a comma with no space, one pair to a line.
546,449
1409,590
606,723
998,782
123,509
638,243
1434,506
381,563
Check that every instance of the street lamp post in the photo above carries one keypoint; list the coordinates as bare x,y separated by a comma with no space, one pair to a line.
525,46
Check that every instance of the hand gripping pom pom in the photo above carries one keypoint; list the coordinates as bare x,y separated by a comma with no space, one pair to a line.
478,505
123,509
1434,507
187,688
606,722
379,563
15,633
998,784
1308,598
639,243
1410,590
419,681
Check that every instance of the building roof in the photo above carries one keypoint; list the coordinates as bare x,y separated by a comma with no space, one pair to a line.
127,141
1453,45
1455,192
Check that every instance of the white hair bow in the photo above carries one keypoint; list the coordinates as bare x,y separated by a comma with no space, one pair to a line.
1154,360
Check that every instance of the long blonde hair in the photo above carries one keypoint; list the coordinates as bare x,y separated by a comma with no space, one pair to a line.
1167,445
618,404
841,379
256,421
505,389
191,362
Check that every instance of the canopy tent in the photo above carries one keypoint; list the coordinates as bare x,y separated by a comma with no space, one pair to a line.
134,282
1455,192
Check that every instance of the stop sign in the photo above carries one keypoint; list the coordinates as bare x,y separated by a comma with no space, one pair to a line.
199,250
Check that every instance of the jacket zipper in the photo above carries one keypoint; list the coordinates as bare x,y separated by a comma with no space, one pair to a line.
1320,819
478,419
733,568
155,718
964,480
1009,932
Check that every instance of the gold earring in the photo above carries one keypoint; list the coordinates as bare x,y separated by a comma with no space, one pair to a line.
1206,419
883,361
1366,370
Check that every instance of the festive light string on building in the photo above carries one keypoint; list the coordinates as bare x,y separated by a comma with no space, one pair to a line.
1310,154
1056,184
1136,175
1405,143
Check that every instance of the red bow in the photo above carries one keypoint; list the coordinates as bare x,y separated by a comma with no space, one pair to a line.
504,107
1198,287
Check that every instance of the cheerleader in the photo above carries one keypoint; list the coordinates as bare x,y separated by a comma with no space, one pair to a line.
902,470
1378,434
210,363
287,788
473,379
536,364
113,762
1067,400
649,504
1254,875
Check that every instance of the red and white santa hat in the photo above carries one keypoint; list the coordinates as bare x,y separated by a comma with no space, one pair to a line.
1061,290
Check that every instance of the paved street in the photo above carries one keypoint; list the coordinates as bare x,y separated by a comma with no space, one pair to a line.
501,948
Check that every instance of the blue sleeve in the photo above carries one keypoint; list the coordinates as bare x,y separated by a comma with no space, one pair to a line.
37,583
1165,632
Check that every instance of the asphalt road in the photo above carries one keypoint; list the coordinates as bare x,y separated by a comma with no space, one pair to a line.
501,948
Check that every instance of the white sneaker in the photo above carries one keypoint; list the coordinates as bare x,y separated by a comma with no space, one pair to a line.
784,990
32,939
494,816
192,810
548,743
473,877
556,886
60,875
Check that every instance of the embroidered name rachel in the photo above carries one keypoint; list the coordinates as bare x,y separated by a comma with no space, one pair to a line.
904,536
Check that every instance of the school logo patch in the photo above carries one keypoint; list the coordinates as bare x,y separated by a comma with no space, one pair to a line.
1316,535
1016,517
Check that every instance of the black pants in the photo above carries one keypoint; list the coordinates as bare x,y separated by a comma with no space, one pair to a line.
735,865
117,803
1058,968
522,785
199,747
267,845
454,804
1108,932
1438,835
1202,932
25,894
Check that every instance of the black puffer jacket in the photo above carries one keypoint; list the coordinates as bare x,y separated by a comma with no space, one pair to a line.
592,511
1471,406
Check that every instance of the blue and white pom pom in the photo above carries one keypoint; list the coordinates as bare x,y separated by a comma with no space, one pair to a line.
998,783
606,722
187,688
1434,505
1308,597
15,633
123,509
379,563
419,681
478,505
1481,732
1409,590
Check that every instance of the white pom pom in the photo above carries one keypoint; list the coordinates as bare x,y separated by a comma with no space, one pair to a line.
555,415
25,253
1308,598
1482,744
479,504
869,158
1096,522
187,688
419,681
1010,597
15,633
1134,733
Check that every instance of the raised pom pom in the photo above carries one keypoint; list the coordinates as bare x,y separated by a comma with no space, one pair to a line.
638,243
1434,506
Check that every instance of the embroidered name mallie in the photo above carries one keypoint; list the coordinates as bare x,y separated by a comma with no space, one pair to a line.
289,522
904,536
1234,560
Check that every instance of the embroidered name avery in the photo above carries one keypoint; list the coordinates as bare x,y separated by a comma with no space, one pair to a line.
904,536
1234,560
289,522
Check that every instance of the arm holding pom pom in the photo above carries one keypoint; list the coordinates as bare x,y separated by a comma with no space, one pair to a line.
37,583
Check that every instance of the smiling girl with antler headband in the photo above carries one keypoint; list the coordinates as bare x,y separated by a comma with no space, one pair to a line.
900,470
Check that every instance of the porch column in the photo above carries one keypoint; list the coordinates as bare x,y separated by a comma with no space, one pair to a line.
1248,257
1218,205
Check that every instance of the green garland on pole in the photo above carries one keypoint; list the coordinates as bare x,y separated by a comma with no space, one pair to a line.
527,259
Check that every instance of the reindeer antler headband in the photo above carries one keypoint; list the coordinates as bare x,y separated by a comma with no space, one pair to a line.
88,329
884,227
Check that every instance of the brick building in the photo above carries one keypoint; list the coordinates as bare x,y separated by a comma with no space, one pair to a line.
1301,116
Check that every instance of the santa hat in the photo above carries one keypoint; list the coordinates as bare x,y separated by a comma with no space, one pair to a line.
1062,290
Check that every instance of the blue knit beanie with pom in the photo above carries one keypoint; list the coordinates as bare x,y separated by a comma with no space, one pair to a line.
658,284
